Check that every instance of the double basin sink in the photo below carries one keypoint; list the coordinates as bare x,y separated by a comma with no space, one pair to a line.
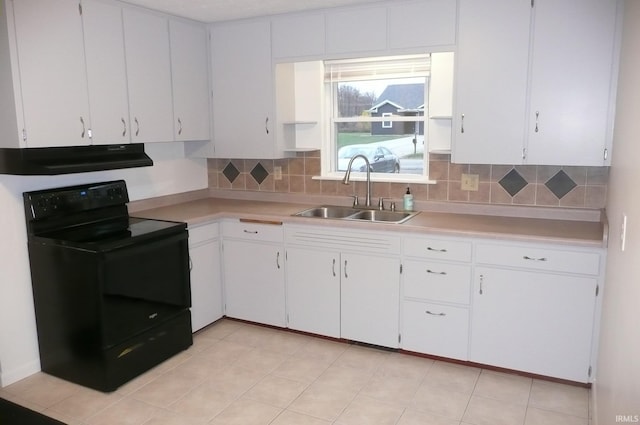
358,214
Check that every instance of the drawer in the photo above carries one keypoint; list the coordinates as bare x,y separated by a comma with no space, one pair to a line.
539,258
203,232
251,230
435,329
437,249
437,281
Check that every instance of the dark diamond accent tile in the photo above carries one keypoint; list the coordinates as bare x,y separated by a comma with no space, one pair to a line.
259,173
231,172
513,182
560,184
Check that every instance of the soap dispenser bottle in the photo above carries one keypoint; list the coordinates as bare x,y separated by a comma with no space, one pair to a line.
408,200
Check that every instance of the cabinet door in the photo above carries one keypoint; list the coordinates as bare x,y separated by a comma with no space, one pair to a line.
190,76
534,322
370,299
206,284
422,23
243,99
571,109
298,36
357,30
146,39
106,72
313,291
254,282
491,81
52,72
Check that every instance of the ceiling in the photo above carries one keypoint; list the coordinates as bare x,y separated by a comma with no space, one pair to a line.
224,10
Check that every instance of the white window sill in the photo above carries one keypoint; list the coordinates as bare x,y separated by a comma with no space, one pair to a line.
378,177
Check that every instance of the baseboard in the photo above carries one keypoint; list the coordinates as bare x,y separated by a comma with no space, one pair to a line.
8,377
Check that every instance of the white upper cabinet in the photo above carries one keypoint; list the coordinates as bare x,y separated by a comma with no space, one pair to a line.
422,23
535,82
243,91
309,37
190,76
572,79
491,81
52,79
356,30
106,72
146,37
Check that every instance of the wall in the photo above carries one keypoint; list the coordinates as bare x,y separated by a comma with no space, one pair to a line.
617,388
171,173
549,186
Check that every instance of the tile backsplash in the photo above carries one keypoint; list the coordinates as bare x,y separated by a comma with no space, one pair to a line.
540,185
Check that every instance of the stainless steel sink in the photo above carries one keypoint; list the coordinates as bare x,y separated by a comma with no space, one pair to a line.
385,216
327,212
347,213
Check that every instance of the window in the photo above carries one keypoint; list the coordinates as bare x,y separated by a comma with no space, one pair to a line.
377,109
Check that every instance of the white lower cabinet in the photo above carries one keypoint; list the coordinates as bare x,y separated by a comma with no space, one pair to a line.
313,291
344,283
437,329
206,277
253,257
370,291
541,322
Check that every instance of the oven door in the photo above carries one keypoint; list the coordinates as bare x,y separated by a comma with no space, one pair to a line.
144,284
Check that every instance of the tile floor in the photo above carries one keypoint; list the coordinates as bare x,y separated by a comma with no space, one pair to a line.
242,374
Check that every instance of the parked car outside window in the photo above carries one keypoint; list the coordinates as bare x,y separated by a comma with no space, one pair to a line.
381,159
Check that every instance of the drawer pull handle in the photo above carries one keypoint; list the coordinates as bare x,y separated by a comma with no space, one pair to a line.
333,270
278,260
440,273
481,284
435,314
436,250
253,232
526,257
345,269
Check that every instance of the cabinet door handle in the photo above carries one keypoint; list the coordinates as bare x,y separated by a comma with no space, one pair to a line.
345,269
137,125
436,250
537,116
179,126
278,260
253,232
435,314
462,123
190,264
333,269
526,257
83,127
266,125
440,273
124,127
481,284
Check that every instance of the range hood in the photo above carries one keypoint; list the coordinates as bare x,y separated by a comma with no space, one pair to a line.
72,159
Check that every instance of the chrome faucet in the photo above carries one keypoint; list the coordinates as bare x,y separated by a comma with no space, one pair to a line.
345,180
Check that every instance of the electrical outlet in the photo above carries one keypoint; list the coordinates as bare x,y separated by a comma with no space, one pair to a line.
277,173
470,182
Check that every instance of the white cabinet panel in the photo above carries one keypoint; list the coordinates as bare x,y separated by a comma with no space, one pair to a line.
206,276
422,23
106,72
571,80
535,322
243,84
52,72
356,31
370,299
435,329
491,81
297,36
190,80
149,76
437,281
313,291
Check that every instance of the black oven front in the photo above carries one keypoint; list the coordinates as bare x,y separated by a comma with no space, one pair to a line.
111,292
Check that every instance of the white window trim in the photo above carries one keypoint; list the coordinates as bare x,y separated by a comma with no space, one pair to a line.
387,124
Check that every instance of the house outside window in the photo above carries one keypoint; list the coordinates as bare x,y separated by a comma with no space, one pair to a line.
377,109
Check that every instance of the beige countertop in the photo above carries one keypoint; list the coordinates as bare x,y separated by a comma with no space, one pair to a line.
590,233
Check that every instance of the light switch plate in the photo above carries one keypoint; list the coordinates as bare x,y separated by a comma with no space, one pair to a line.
469,182
277,173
